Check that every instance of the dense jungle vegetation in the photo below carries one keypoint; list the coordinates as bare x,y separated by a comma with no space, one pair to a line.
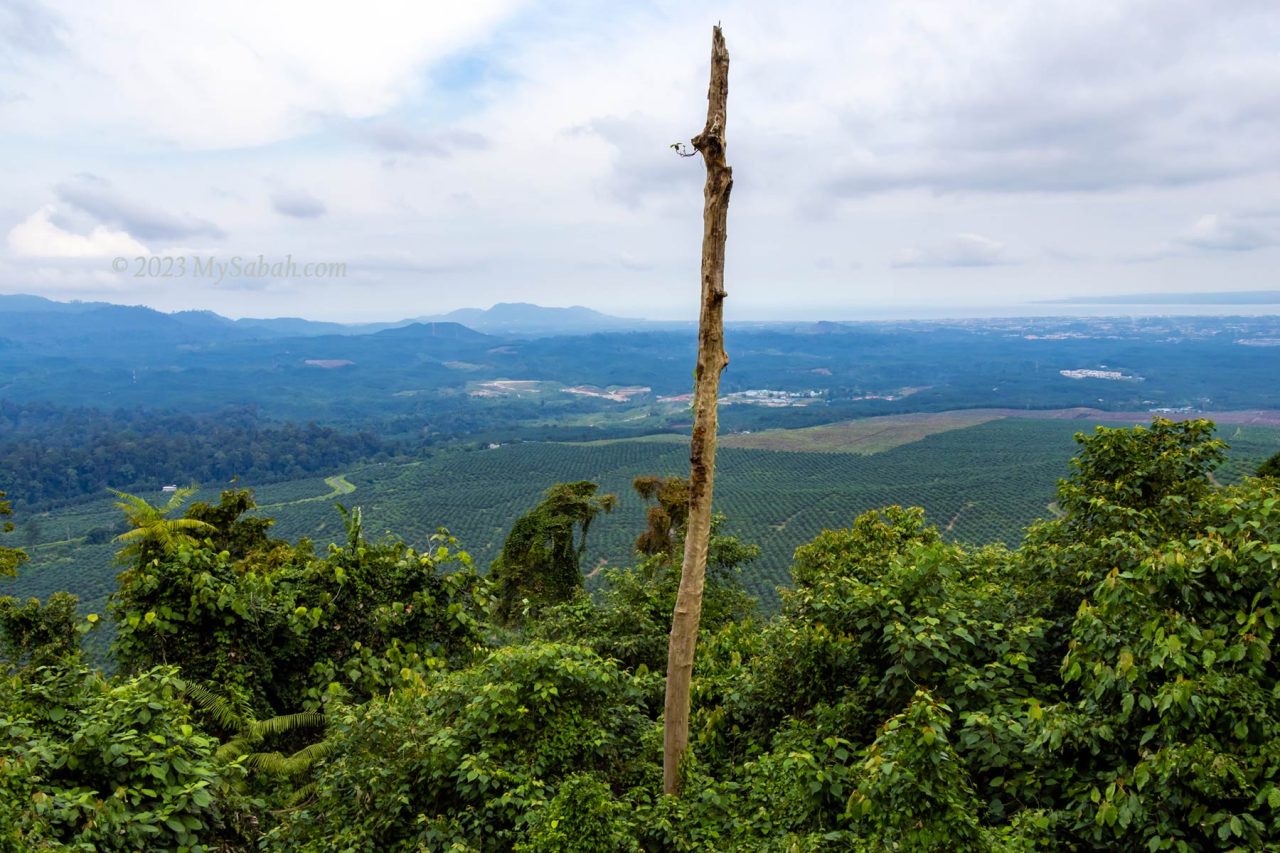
1108,684
55,455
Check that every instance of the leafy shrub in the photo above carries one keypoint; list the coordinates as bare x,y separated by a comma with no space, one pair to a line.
469,757
913,792
102,766
1169,739
280,629
582,817
35,633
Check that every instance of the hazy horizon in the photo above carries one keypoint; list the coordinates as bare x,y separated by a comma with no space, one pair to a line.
870,313
890,157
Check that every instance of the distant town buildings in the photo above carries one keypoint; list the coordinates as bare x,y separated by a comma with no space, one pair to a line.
1099,374
770,397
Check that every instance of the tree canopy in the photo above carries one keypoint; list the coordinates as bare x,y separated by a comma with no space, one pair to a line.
1110,684
1271,467
10,558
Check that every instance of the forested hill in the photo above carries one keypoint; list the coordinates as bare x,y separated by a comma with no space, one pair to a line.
52,456
442,373
95,395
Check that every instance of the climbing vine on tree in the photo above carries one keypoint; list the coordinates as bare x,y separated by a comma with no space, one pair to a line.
540,560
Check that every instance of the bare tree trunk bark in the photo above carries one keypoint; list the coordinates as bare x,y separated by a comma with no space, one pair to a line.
702,450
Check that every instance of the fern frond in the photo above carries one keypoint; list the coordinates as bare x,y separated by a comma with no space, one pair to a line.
301,795
224,713
234,748
272,763
312,753
276,764
286,723
189,524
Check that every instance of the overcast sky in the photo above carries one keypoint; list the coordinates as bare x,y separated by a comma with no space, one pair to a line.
890,156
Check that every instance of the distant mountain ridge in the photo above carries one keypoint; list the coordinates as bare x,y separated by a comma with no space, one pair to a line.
441,381
37,312
512,318
527,318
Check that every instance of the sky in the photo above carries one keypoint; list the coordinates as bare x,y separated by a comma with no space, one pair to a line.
891,157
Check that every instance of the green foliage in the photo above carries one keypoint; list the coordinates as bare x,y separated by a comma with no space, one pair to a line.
913,792
10,558
230,527
799,787
539,561
1168,737
1109,685
629,619
583,817
1147,478
223,623
881,611
109,766
152,534
1129,489
246,737
1271,467
885,606
38,634
857,552
467,758
282,629
379,615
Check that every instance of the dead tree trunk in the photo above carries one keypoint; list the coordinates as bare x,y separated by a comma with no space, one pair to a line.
702,450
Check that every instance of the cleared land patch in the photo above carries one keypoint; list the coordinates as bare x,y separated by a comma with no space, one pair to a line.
864,436
875,435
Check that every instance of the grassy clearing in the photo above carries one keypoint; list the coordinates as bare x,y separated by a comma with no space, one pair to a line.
657,438
338,485
865,436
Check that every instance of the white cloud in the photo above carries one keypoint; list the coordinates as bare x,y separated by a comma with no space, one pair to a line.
297,203
964,250
238,72
1215,233
1227,233
1056,96
395,138
38,236
97,198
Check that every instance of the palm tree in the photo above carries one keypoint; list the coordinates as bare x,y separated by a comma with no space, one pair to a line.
154,533
246,734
